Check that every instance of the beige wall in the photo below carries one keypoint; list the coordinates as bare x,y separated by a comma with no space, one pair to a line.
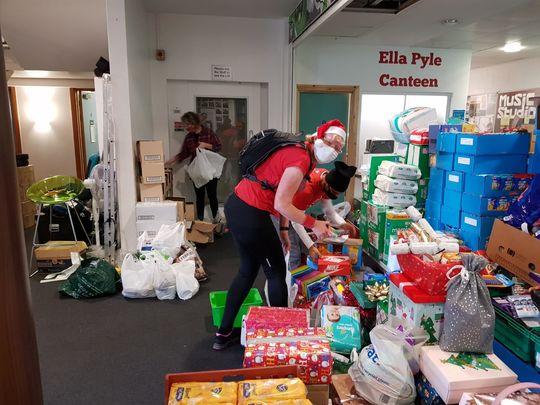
50,147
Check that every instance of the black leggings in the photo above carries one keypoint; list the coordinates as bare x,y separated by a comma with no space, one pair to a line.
211,189
259,245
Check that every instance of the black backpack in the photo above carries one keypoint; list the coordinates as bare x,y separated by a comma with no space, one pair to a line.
260,147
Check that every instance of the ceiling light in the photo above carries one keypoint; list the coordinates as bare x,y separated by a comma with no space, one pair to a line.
512,47
450,21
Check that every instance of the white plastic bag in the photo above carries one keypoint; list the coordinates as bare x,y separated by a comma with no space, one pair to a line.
292,289
200,170
169,239
186,283
164,277
137,277
384,371
216,160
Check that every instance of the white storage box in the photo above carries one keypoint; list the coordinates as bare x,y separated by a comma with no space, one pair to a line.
151,227
156,211
452,374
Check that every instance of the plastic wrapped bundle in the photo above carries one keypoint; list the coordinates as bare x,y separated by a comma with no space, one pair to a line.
390,185
393,199
402,124
399,170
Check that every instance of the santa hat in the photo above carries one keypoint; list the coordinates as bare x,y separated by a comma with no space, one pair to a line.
332,127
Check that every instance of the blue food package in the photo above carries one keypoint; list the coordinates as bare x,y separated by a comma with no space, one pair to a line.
525,211
342,326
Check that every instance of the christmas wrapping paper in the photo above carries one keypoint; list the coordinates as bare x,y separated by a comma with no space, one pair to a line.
425,392
313,358
276,318
285,335
452,374
415,308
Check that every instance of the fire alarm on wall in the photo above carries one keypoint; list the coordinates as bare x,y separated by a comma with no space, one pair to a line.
160,54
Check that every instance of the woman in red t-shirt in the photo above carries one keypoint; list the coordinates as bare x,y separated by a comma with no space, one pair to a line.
199,136
248,212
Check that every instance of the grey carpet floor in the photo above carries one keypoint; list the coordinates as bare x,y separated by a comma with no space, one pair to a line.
112,350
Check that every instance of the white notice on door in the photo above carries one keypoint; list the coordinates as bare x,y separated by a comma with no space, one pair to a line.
467,141
464,161
221,72
453,178
471,221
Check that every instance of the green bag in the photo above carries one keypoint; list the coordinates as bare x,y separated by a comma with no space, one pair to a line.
94,278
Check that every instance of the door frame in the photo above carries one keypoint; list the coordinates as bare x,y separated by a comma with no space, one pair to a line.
352,138
15,118
78,130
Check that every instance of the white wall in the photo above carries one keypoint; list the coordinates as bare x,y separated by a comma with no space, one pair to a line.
518,75
129,50
51,149
256,50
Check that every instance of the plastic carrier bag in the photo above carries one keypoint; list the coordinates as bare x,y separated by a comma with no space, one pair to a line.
186,283
137,277
200,170
469,317
169,239
94,278
216,160
383,373
402,124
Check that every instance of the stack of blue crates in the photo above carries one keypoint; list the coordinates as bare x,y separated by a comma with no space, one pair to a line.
475,180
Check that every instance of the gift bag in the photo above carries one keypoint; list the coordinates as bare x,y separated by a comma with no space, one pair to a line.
200,170
469,317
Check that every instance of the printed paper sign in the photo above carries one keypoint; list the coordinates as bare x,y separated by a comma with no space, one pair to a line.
221,72
467,141
453,178
464,161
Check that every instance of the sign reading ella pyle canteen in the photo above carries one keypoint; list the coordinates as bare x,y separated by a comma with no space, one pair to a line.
221,72
414,59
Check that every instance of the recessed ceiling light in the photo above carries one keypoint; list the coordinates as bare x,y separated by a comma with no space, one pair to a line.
450,21
512,47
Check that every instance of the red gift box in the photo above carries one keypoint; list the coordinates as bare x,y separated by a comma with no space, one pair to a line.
312,357
430,277
284,335
276,318
414,292
335,265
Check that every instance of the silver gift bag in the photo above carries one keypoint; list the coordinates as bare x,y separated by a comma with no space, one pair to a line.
469,317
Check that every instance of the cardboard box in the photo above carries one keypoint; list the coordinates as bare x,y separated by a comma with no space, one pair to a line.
445,161
53,264
477,225
452,199
363,223
435,130
446,142
342,391
376,216
437,177
150,151
496,185
25,178
452,374
189,213
493,144
152,173
455,181
486,206
450,216
151,192
59,250
515,250
433,209
533,166
434,193
166,211
417,155
193,235
473,241
180,206
494,164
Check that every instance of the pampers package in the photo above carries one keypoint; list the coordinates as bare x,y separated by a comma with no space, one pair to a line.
194,393
342,326
267,391
399,170
390,185
393,199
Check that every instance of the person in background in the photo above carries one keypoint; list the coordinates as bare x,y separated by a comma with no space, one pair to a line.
205,122
249,208
323,186
199,136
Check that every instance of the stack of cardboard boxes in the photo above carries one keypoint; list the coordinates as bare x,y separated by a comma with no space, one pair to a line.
152,170
25,178
476,178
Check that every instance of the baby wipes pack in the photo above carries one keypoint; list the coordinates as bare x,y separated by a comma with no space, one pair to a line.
393,199
402,186
399,170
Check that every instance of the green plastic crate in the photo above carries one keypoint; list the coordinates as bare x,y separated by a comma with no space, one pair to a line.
535,339
513,335
217,302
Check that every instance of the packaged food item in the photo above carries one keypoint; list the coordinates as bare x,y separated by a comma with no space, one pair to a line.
393,199
194,393
251,391
399,170
282,402
342,326
387,184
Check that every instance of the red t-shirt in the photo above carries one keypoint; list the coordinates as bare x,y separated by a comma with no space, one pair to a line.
271,170
312,191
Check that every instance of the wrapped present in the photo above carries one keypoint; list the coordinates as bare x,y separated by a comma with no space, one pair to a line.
335,265
342,326
414,307
381,315
284,335
430,276
276,318
312,284
312,357
426,394
452,374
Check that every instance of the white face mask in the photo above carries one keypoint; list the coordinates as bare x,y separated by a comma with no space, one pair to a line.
323,152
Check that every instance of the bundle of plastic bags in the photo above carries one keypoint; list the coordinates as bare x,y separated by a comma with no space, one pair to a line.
404,123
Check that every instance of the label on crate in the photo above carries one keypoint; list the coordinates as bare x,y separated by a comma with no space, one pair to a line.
150,158
146,217
470,221
464,160
466,141
453,178
154,179
152,199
